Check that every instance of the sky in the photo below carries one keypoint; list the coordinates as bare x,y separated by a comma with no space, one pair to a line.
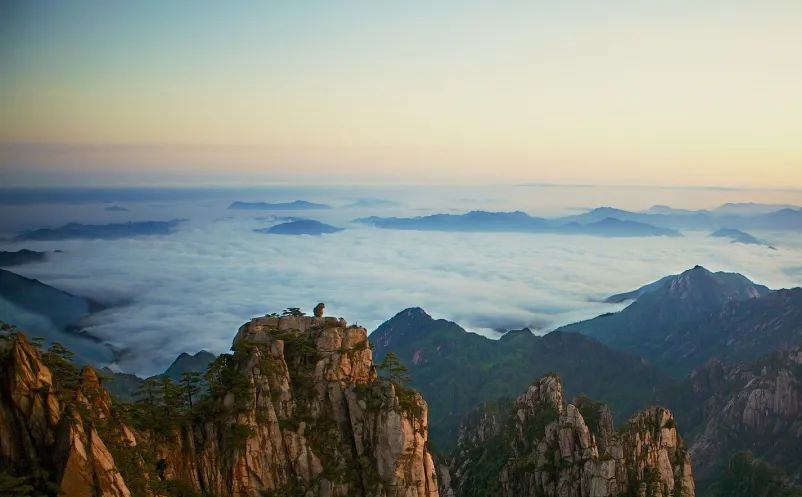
655,93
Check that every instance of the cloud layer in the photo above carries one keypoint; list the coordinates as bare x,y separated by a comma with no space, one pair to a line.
193,289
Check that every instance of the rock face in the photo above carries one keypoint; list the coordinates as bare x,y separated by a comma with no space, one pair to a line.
756,407
40,431
297,409
540,446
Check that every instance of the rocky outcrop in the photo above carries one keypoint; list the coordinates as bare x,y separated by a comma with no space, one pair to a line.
540,446
756,407
297,409
47,431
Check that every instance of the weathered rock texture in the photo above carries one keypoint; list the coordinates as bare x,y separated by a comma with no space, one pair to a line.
756,407
303,413
540,446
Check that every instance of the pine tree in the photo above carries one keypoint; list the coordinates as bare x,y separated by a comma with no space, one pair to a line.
66,376
394,369
190,385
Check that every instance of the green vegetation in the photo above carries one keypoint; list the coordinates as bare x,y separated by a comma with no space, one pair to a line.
394,370
456,371
33,483
591,412
747,476
190,385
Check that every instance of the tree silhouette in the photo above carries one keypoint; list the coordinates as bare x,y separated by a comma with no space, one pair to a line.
172,396
394,370
190,384
149,391
66,377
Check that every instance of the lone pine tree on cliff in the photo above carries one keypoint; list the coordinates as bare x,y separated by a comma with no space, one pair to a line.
394,369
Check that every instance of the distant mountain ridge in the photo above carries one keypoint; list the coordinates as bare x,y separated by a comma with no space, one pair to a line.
197,362
52,314
102,231
736,216
737,236
681,321
659,220
23,256
126,386
300,227
701,285
517,222
266,206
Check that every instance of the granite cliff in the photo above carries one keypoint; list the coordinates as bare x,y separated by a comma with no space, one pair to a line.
537,445
297,409
755,407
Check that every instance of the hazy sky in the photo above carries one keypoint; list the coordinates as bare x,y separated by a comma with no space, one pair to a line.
699,93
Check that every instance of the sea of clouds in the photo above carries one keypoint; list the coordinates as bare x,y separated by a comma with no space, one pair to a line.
191,290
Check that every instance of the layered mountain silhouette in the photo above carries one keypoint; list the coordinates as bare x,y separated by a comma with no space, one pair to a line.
19,257
517,221
52,314
607,221
736,236
681,321
296,205
102,231
734,216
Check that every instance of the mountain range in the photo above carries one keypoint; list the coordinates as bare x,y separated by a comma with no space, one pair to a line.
736,216
606,221
722,352
456,370
101,231
297,205
483,221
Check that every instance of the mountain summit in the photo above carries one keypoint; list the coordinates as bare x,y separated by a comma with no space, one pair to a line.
698,287
681,321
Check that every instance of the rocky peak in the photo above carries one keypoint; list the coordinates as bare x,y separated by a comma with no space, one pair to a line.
92,395
704,288
761,402
45,432
297,409
28,391
546,448
547,391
